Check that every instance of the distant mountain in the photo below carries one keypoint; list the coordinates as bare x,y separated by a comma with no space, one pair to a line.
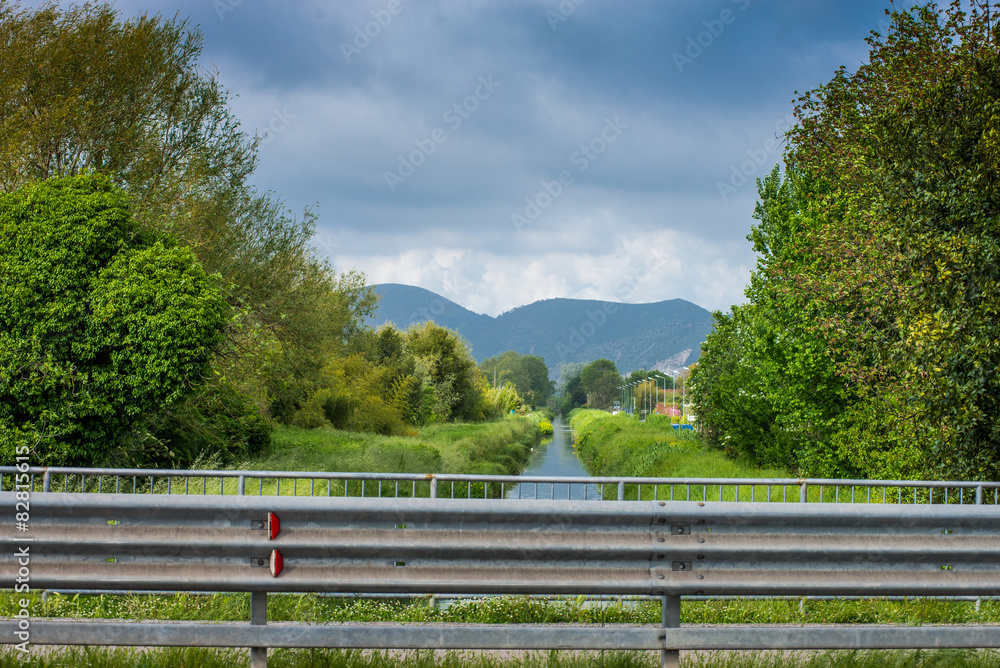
664,335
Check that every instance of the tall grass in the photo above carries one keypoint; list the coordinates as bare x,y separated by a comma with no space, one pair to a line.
620,445
500,447
326,658
503,609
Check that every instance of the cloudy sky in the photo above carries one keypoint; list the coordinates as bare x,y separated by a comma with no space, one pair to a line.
500,152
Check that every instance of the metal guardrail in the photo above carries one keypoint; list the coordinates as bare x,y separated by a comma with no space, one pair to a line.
261,544
445,485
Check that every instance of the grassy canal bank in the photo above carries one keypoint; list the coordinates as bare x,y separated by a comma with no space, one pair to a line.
620,445
501,447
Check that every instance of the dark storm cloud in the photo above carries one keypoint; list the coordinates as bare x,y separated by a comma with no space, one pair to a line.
425,130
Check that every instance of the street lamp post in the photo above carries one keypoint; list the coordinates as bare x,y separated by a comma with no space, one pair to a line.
673,395
651,404
659,377
684,386
645,399
645,393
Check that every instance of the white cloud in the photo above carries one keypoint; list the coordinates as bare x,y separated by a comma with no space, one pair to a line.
640,268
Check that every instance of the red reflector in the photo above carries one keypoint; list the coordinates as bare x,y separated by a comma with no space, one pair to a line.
277,563
273,526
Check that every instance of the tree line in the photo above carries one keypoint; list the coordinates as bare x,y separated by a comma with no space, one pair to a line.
869,345
156,308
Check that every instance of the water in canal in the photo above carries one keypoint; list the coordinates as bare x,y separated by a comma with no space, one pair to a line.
555,457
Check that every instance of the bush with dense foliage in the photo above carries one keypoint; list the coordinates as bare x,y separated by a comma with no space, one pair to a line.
500,401
101,324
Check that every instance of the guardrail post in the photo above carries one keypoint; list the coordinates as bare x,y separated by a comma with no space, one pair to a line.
47,481
241,485
670,619
258,617
621,490
434,487
979,495
804,493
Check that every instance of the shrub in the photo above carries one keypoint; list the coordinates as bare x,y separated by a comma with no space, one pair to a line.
101,325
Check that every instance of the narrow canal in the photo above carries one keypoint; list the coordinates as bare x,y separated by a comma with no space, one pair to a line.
555,457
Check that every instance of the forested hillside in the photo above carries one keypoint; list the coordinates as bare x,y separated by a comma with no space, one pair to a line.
664,335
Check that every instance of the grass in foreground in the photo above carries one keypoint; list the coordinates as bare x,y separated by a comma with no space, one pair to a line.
503,610
233,658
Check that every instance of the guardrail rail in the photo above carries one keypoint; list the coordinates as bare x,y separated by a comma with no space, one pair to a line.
409,543
447,485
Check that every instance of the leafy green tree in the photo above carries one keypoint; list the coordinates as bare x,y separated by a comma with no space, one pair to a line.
528,374
600,380
447,367
101,324
789,351
357,395
403,387
871,333
909,145
82,88
540,388
571,393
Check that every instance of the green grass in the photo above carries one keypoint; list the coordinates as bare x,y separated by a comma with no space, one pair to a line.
324,449
233,658
850,659
502,610
201,658
619,445
500,447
